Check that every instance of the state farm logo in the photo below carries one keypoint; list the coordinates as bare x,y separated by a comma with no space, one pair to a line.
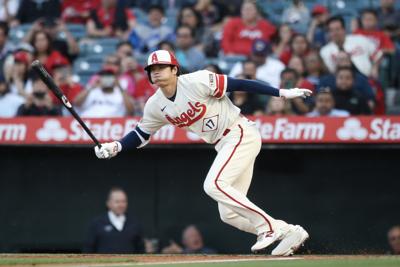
352,129
52,130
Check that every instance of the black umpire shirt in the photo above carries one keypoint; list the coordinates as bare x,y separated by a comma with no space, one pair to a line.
103,237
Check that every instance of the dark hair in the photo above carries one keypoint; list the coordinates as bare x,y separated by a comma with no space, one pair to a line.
369,11
276,38
290,70
160,44
4,26
124,43
216,67
248,61
49,39
115,189
345,68
192,33
325,91
197,14
157,8
336,18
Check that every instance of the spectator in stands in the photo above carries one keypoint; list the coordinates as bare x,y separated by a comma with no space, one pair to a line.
44,52
6,46
39,102
315,68
290,78
9,102
111,62
188,16
62,75
361,83
325,106
239,33
18,76
110,19
30,11
192,242
247,102
299,46
268,68
369,28
297,63
281,41
189,57
316,33
278,106
213,68
116,231
346,97
394,239
135,82
106,100
166,45
297,16
145,37
73,11
8,10
124,49
364,54
387,14
209,12
68,46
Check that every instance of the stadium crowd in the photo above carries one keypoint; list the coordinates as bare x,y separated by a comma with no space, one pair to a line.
346,52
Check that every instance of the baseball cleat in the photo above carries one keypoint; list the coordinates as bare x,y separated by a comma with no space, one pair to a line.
292,240
264,240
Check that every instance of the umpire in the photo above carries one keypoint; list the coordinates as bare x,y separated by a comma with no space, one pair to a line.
115,232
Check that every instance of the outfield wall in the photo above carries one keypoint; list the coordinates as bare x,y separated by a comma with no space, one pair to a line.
346,198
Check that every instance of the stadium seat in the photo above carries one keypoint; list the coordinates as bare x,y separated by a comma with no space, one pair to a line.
17,33
226,62
78,31
85,66
102,46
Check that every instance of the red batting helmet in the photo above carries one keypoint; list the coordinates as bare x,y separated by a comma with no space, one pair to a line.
163,57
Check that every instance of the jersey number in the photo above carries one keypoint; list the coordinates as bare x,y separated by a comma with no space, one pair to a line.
210,123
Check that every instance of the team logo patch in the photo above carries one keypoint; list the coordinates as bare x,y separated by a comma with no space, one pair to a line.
212,80
210,123
154,58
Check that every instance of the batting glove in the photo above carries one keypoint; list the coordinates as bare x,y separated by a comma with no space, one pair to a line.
295,92
108,150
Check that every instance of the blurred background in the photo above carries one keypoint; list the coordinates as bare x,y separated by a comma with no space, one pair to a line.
342,143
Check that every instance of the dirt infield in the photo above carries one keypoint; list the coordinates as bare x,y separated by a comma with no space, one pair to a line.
121,260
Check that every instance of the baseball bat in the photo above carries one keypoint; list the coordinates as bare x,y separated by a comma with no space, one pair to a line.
48,80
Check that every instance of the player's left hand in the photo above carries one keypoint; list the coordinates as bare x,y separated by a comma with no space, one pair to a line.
294,92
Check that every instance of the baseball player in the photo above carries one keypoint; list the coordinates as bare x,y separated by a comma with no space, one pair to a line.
198,103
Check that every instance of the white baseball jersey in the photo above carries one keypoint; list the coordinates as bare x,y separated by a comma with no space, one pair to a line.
363,52
200,106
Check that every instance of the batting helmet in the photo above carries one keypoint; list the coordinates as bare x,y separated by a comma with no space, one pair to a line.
163,57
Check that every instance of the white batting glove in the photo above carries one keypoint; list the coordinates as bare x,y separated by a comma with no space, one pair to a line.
108,150
294,92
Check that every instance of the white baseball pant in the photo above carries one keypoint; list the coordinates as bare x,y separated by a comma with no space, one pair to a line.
230,176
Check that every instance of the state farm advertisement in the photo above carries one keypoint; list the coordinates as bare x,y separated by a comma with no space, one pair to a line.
292,129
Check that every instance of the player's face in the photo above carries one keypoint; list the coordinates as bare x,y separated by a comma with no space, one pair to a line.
117,203
162,75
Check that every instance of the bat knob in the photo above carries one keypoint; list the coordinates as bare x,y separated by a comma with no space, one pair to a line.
36,63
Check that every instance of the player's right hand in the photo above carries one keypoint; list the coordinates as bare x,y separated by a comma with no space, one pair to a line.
108,150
